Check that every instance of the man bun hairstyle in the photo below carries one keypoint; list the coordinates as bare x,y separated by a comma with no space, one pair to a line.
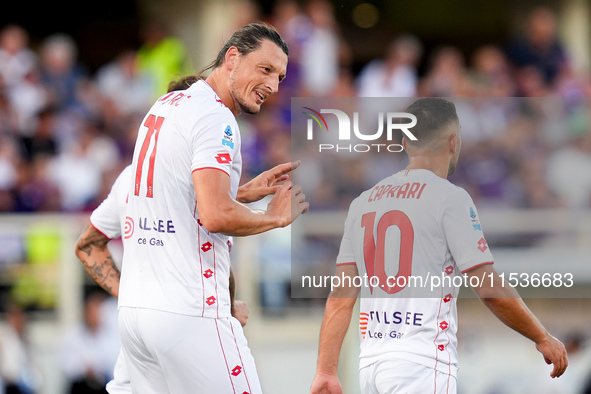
246,40
433,114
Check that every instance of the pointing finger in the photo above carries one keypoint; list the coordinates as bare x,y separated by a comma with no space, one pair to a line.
284,168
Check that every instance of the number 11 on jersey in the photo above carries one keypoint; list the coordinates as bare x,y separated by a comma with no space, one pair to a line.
374,254
153,124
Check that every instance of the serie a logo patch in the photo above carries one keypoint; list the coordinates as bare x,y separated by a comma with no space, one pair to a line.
474,219
228,136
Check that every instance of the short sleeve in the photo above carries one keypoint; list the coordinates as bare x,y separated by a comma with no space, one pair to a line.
463,232
346,251
108,216
215,142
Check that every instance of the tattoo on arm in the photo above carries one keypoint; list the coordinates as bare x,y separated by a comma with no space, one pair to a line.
92,251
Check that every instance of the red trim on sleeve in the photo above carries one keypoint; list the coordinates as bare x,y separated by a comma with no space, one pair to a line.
211,168
109,238
339,264
477,265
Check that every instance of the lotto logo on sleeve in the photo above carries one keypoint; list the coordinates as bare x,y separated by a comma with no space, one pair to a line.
223,158
482,246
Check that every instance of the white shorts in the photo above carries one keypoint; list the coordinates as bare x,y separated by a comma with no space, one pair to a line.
404,377
120,384
180,354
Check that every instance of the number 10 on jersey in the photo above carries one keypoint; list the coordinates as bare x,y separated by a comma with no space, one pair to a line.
153,124
374,252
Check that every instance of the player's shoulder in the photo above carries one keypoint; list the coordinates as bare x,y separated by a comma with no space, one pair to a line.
358,201
451,195
121,184
365,195
202,104
201,93
358,204
451,188
440,187
125,175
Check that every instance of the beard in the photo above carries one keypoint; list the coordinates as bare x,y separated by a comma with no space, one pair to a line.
251,109
244,107
452,166
451,169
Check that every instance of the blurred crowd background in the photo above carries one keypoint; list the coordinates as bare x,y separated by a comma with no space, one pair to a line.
72,98
66,131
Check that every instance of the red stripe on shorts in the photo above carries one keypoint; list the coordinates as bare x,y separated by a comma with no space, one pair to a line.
240,357
224,353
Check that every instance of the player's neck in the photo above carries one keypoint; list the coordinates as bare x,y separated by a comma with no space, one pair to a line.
216,82
437,164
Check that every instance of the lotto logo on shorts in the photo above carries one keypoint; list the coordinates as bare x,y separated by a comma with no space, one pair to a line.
208,274
223,158
236,371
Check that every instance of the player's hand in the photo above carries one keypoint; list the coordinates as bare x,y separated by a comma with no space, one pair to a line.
288,203
554,353
240,311
326,384
266,183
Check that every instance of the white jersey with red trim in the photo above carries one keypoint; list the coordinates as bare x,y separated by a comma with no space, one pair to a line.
171,262
108,218
411,231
